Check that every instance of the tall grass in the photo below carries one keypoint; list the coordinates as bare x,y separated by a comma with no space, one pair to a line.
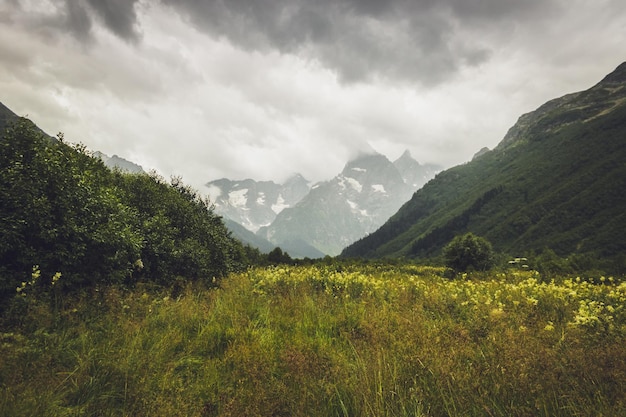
302,341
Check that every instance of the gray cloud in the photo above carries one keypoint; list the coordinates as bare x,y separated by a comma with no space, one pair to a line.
77,17
119,16
425,42
263,88
414,41
360,40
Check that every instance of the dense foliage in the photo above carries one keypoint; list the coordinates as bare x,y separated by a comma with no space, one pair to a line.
324,340
64,214
468,252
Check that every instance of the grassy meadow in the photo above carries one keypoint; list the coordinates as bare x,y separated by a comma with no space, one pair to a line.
367,340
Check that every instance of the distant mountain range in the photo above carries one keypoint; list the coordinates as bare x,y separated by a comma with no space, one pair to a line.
314,221
557,180
119,163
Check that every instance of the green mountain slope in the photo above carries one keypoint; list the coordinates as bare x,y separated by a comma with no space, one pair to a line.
556,180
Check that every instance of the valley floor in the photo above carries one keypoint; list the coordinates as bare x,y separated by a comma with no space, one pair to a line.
324,341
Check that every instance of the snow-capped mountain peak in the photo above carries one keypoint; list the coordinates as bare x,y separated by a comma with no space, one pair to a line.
354,203
324,218
254,204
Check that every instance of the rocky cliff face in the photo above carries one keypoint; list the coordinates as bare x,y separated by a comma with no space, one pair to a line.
321,220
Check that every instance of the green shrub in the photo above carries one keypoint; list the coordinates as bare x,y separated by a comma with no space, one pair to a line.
469,252
65,213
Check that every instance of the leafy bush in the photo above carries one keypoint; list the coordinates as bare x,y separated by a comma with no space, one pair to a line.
65,212
59,211
469,252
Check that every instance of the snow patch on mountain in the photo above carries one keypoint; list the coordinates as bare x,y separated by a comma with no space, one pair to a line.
354,184
379,188
280,204
238,198
341,182
255,204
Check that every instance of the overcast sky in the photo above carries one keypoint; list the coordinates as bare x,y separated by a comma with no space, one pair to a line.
207,89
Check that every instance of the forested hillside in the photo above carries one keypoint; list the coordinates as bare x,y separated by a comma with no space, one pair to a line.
68,220
555,182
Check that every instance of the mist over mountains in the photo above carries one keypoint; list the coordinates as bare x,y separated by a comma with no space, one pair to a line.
321,219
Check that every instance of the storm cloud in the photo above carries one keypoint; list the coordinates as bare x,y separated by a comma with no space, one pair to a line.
264,88
417,41
423,41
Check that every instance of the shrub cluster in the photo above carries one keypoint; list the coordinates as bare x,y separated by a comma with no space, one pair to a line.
469,252
65,212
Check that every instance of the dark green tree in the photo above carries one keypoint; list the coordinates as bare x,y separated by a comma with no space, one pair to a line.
277,256
469,252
